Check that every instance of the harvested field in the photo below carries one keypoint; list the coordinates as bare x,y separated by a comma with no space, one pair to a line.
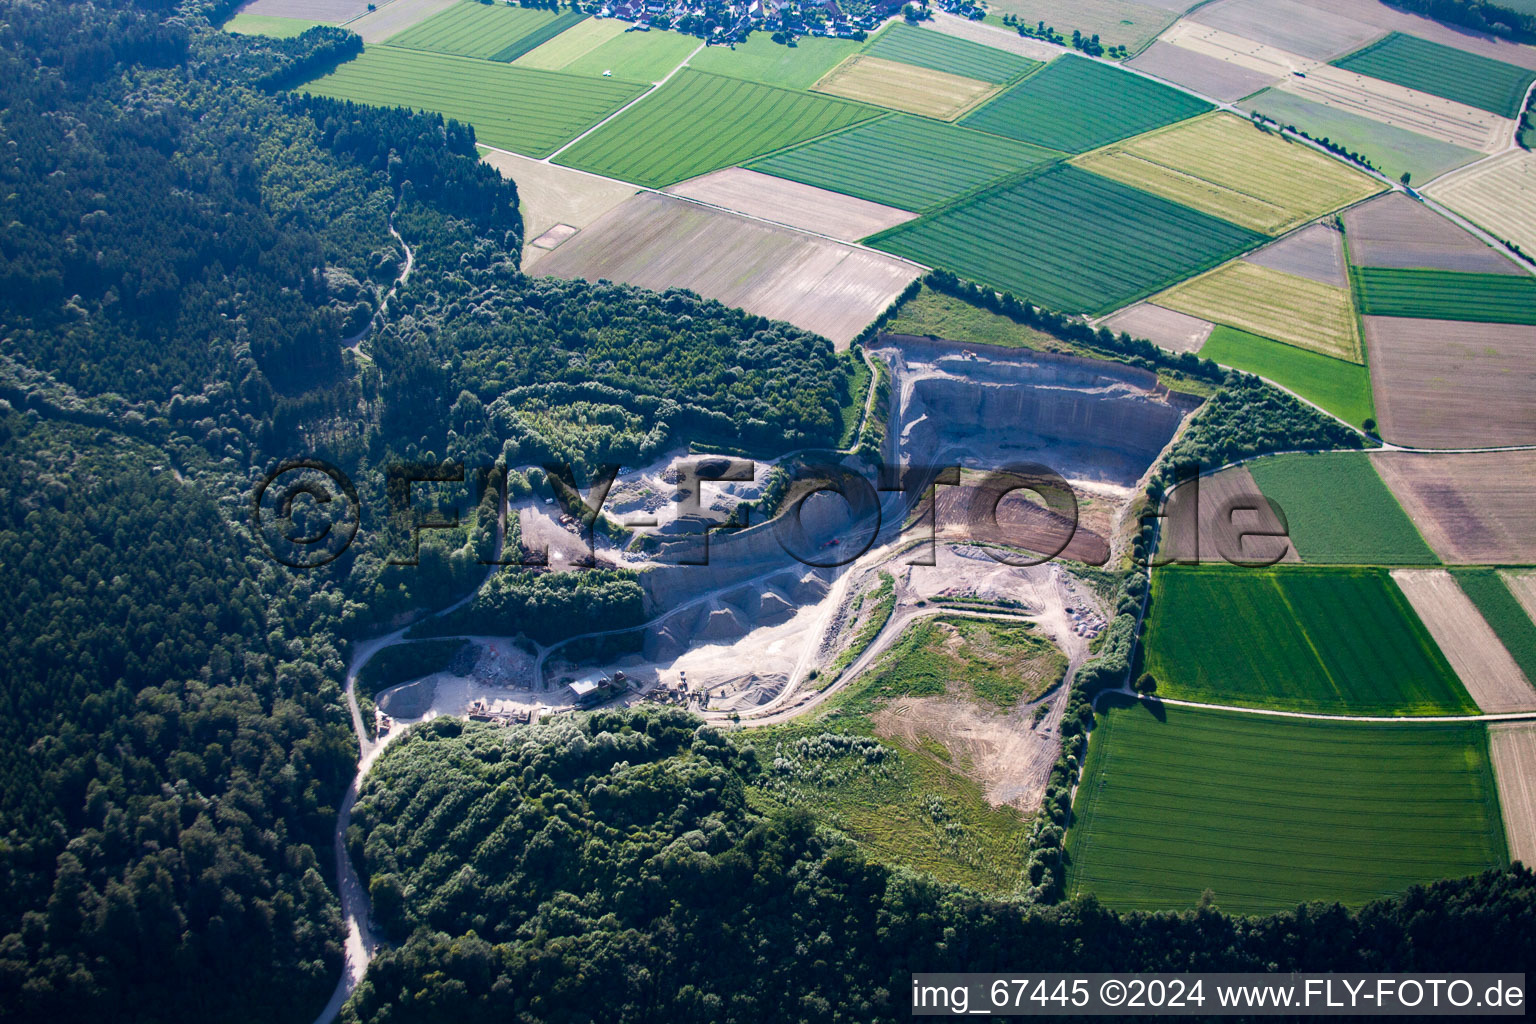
396,16
1414,63
939,161
1498,195
1225,166
1011,237
1342,388
1395,231
1115,22
1301,29
1374,12
1484,666
995,36
1446,295
1294,638
1523,586
698,123
1512,747
548,195
266,25
1489,591
529,112
1340,511
328,12
1393,151
887,83
1272,63
1315,252
1442,384
572,44
1174,331
493,31
1270,812
1199,72
1472,509
760,59
1399,107
659,242
1271,303
791,203
1075,105
909,44
636,56
1230,521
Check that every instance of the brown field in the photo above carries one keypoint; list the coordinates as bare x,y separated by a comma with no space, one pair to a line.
333,12
1289,25
396,16
886,83
1116,22
1467,641
1174,331
1198,72
1219,525
1409,109
1512,747
1523,586
1475,509
991,35
1497,195
1271,62
549,195
1315,252
1440,384
656,241
789,202
1374,12
1395,231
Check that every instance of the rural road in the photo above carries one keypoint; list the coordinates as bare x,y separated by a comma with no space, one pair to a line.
1502,716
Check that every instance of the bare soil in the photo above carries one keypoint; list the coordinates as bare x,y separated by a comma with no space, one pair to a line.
1472,509
1204,73
1441,384
1218,527
1395,231
990,35
333,12
1374,12
1315,252
549,195
1523,586
1167,328
1302,29
659,242
792,204
1512,746
1467,641
395,17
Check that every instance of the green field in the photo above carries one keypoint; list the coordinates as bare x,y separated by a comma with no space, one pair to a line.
1477,81
266,25
1270,812
909,162
1339,510
698,123
1344,389
1070,240
1503,613
1392,150
934,314
528,112
929,49
760,59
1336,641
636,56
1075,104
1446,295
494,31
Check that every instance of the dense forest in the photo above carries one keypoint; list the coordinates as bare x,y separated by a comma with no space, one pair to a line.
609,868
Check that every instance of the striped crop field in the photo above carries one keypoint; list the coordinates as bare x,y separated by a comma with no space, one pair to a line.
1069,240
909,162
1331,641
1273,304
1075,104
888,83
528,112
1469,78
1229,168
1269,812
494,31
929,49
700,122
1446,295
